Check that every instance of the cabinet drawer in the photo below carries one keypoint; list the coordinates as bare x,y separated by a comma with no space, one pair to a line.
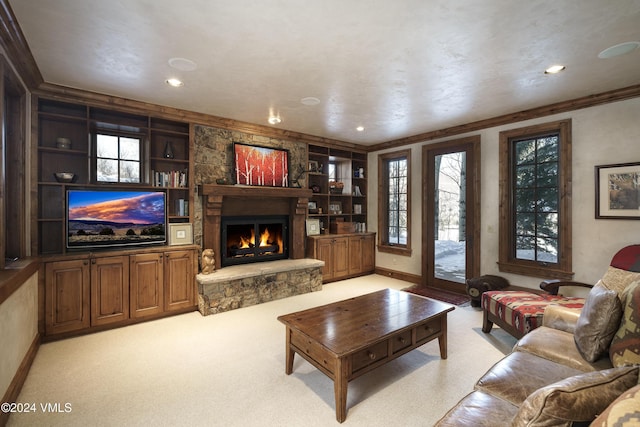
400,341
371,355
428,329
314,350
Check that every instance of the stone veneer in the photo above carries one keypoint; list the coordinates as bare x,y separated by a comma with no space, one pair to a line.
244,285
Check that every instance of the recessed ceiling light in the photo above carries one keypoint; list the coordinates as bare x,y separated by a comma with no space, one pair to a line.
274,120
554,69
619,49
183,64
360,128
174,82
310,101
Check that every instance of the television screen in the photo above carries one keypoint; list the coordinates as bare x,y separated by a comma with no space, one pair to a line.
261,166
108,217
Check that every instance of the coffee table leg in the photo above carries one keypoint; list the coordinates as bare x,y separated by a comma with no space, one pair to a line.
340,384
290,354
442,339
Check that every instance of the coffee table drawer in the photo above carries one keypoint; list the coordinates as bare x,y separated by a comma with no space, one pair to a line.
314,350
428,329
370,355
401,341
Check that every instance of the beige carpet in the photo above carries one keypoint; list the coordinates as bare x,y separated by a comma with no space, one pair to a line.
228,370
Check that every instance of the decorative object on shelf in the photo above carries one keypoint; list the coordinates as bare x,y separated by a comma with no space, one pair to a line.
356,191
335,208
361,173
261,166
313,166
315,188
63,143
313,227
357,209
618,191
336,187
207,262
65,176
168,151
313,207
180,234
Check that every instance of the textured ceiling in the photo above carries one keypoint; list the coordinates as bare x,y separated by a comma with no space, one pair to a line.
398,68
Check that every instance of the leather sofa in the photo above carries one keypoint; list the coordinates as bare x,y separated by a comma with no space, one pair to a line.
569,371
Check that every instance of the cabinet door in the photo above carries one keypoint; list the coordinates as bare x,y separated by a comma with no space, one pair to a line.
324,252
179,279
340,248
146,284
66,296
368,253
109,290
355,254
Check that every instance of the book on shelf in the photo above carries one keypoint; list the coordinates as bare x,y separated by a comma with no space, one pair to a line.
182,207
174,178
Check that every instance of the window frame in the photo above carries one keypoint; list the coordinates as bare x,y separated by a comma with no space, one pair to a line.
142,161
383,203
507,238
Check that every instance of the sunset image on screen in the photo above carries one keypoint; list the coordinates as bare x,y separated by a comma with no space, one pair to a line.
115,217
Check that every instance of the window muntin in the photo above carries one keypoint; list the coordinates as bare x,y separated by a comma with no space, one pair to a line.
535,201
394,212
118,158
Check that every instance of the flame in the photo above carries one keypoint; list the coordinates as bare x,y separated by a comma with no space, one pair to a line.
248,242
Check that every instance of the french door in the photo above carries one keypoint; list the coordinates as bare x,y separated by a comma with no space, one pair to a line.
451,213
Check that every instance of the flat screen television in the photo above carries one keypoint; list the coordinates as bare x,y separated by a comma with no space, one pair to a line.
109,217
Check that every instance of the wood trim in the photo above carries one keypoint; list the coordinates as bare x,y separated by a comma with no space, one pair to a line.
11,395
383,202
12,278
400,275
532,113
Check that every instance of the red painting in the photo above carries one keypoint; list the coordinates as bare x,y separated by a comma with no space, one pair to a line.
261,166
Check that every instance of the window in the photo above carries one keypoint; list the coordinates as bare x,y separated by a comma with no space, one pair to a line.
535,208
118,158
394,196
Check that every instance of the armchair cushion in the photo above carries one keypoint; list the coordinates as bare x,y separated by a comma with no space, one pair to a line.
625,346
598,322
575,399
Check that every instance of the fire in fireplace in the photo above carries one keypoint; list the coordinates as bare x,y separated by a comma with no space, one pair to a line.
254,239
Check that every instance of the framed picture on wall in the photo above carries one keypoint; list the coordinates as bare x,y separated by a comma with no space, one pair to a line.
618,191
261,166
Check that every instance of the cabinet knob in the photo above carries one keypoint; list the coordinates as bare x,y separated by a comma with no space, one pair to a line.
371,355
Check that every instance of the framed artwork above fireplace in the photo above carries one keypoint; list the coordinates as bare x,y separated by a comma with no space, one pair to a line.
261,166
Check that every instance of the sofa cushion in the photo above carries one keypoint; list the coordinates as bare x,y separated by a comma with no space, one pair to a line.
623,412
479,409
618,280
558,346
576,399
625,346
519,374
598,322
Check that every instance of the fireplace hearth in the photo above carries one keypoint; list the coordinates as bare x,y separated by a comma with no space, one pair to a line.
254,239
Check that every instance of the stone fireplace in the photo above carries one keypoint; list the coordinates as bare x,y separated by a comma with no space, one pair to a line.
240,281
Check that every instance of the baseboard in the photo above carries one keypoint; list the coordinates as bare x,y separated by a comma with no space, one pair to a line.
400,275
19,378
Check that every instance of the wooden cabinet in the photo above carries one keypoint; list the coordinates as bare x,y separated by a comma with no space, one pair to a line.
344,255
179,280
67,296
147,284
329,203
165,159
86,291
109,290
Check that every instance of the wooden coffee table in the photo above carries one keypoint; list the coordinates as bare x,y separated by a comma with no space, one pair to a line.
349,338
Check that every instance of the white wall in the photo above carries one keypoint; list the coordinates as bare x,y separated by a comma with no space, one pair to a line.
606,134
18,329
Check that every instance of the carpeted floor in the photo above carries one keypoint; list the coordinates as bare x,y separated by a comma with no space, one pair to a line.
440,294
228,370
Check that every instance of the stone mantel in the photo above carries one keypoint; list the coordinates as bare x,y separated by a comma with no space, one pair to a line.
237,200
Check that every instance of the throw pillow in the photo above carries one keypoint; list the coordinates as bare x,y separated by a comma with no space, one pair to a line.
618,280
598,322
575,399
623,412
625,346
